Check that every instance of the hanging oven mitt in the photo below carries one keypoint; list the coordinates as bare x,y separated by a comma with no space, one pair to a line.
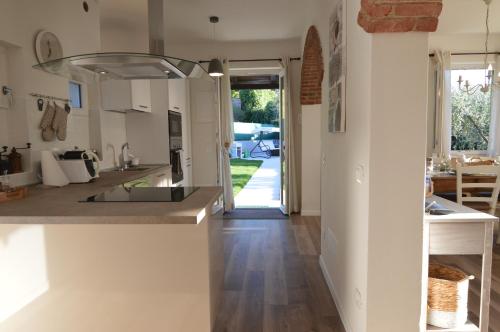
60,122
48,134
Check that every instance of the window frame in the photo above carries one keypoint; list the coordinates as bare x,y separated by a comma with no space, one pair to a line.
474,66
80,90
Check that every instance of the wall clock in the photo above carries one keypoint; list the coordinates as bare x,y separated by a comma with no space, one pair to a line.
47,47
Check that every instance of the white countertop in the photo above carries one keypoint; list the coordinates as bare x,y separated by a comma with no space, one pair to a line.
462,213
61,205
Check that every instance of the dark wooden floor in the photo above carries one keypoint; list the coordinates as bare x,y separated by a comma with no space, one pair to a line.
472,265
273,281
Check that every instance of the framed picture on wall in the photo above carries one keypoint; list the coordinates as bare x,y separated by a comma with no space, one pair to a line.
337,69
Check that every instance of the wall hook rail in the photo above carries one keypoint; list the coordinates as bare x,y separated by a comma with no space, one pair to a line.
37,95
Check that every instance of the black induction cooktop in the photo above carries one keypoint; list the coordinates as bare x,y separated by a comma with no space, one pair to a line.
142,194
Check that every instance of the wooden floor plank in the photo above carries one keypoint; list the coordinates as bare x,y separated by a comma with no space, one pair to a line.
252,310
304,241
256,255
236,264
273,281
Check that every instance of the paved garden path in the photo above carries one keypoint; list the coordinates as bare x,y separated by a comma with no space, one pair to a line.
263,189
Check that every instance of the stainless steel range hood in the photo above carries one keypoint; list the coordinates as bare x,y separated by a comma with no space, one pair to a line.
128,66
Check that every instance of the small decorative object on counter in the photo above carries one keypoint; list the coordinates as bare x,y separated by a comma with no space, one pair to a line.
447,296
16,159
479,161
429,186
429,163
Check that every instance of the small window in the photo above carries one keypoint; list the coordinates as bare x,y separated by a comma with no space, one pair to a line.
471,112
75,95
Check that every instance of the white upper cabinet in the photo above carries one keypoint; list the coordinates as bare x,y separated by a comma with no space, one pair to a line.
122,96
177,95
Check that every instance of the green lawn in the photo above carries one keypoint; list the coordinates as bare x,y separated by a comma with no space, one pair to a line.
241,172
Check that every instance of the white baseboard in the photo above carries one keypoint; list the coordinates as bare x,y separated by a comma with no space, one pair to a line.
329,282
310,213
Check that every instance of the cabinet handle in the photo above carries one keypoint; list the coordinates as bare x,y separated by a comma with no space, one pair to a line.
143,106
177,108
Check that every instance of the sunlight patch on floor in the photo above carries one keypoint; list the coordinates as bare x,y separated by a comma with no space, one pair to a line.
23,266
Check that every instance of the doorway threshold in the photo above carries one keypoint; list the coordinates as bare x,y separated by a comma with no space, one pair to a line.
255,213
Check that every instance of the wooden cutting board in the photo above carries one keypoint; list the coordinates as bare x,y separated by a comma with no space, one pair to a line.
18,193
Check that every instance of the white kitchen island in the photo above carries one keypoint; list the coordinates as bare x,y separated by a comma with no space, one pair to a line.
464,232
111,267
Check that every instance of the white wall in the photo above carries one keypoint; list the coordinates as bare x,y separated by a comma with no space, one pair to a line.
463,42
204,128
397,170
311,160
116,37
344,202
361,238
79,33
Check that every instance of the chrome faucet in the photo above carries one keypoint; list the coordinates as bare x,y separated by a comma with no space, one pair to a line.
125,156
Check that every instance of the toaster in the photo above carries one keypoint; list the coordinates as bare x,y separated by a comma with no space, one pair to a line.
80,166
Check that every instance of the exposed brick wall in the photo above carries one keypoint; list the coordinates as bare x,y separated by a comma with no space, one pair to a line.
378,16
312,69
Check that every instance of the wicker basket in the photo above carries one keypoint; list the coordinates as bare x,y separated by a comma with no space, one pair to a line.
448,290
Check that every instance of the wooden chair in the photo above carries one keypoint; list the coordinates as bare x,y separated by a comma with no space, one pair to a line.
482,196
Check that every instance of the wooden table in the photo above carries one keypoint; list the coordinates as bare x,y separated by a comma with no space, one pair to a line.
465,232
447,182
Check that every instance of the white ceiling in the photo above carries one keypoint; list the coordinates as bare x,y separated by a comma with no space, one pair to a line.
248,20
240,20
468,16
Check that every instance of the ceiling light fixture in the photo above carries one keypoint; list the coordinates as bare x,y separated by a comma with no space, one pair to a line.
215,66
488,68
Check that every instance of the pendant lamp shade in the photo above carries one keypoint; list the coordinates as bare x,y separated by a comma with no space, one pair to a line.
215,68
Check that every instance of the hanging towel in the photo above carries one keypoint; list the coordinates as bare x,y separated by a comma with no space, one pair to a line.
60,122
48,134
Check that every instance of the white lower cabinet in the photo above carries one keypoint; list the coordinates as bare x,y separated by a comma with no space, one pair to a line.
162,178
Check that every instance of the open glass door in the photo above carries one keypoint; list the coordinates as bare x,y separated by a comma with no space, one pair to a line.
284,159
